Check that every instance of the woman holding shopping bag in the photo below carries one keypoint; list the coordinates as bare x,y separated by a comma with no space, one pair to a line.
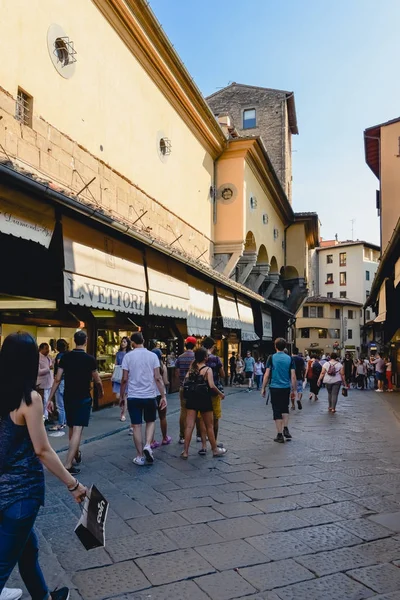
24,449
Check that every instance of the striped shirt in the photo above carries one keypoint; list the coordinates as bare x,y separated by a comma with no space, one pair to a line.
183,363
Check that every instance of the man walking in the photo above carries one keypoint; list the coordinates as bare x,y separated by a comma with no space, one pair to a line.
141,376
44,380
215,364
183,363
78,369
232,368
281,375
300,368
249,363
380,370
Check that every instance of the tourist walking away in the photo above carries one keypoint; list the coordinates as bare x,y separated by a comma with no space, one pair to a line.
78,369
215,364
249,363
239,377
315,373
361,372
162,412
300,368
348,368
388,365
380,370
183,363
125,346
333,376
259,372
44,377
62,348
232,368
142,381
199,387
24,449
280,375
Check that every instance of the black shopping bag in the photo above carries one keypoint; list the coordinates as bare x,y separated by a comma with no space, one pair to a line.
91,526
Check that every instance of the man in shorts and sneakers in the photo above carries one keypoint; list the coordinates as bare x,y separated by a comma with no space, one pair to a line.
214,362
300,368
281,376
79,369
141,375
182,364
249,364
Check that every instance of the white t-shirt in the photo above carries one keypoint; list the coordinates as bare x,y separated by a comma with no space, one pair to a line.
140,364
332,378
259,368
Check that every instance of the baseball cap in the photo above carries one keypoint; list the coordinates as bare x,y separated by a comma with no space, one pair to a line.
191,340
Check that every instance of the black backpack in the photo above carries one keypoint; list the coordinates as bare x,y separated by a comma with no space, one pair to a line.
316,369
196,386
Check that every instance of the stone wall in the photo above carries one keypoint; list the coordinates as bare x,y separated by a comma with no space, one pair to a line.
52,156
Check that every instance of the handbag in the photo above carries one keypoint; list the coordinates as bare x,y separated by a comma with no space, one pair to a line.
344,392
117,374
90,528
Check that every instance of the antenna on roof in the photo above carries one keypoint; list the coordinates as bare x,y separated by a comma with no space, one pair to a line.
352,221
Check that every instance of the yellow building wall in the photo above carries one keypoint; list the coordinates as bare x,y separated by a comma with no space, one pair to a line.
264,234
390,180
230,223
110,101
296,249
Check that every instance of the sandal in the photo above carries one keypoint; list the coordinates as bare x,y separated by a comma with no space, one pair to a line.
220,452
167,441
184,456
202,452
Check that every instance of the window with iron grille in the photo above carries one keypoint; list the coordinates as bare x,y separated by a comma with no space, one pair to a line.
253,203
23,108
165,146
265,219
64,51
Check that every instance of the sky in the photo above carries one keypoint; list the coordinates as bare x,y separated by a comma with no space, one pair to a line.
341,60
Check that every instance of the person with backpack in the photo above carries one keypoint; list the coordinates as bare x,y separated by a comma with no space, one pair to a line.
314,378
198,388
280,375
332,374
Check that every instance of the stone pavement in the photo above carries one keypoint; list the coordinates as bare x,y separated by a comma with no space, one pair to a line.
317,518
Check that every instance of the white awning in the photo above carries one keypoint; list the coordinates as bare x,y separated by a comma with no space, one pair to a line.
200,309
381,318
247,322
397,273
168,288
101,272
228,309
266,325
26,218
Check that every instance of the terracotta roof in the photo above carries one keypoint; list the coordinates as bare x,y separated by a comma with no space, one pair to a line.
289,99
372,136
325,300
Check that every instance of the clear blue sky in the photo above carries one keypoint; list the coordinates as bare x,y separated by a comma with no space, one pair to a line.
341,60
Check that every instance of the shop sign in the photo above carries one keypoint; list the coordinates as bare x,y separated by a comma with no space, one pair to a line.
267,326
85,291
26,223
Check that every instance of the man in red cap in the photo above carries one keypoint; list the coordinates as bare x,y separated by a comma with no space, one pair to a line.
183,363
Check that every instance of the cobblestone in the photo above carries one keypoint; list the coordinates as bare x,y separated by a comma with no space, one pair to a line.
225,586
334,587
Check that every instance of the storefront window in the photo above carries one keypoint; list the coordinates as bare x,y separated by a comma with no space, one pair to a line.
108,342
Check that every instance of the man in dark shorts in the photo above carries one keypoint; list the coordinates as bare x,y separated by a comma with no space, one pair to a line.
79,369
281,376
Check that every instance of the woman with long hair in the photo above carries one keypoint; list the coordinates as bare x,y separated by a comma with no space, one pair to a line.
200,388
24,449
125,346
62,348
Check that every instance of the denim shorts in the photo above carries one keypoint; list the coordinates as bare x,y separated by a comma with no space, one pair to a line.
299,387
140,408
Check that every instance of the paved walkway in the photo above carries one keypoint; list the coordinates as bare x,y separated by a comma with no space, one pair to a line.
315,519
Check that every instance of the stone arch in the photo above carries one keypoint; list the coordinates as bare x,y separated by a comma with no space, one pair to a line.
250,243
262,257
274,265
290,272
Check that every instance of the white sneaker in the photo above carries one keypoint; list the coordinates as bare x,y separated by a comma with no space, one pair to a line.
198,439
130,431
11,594
148,452
139,461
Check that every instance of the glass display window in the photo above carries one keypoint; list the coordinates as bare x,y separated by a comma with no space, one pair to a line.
108,343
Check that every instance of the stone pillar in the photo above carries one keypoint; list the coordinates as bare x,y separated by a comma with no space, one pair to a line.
272,280
257,276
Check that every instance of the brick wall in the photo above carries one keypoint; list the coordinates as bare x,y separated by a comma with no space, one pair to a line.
272,122
53,156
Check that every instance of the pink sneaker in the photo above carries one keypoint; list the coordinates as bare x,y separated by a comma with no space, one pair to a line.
155,445
167,441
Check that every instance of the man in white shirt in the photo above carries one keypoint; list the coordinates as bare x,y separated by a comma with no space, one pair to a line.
142,377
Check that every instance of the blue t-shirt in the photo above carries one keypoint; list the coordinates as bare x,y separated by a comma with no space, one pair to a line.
281,365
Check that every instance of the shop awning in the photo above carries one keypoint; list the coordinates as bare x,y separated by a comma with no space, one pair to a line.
22,303
228,309
200,309
266,326
102,272
381,318
246,321
168,287
397,273
26,218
